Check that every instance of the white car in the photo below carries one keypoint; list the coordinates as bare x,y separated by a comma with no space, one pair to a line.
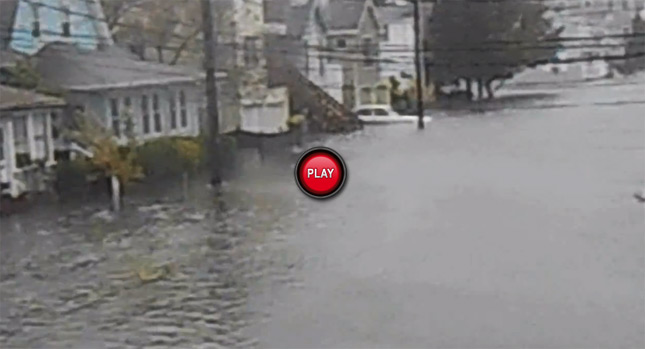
384,114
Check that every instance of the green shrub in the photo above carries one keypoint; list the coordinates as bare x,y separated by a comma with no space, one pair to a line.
165,157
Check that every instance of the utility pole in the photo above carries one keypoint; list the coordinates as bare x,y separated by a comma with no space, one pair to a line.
210,41
417,63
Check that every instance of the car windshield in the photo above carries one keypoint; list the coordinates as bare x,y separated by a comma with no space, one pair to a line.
364,112
381,112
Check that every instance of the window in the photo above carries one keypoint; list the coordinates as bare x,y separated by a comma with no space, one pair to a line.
251,52
173,110
1,143
21,142
321,60
341,43
625,5
35,27
364,112
156,112
20,134
368,51
114,116
307,58
40,135
66,25
183,111
35,31
129,122
145,114
55,130
381,112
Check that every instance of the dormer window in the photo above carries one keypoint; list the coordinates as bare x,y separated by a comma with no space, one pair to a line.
35,26
66,29
66,26
35,29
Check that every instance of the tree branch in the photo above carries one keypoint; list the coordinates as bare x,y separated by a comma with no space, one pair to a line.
184,44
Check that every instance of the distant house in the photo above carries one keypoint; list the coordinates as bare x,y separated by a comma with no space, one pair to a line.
397,46
334,43
307,31
37,23
299,58
26,140
354,33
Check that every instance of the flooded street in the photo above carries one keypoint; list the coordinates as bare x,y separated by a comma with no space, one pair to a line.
509,228
514,228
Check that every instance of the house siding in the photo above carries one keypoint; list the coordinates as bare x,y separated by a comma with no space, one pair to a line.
315,64
397,49
357,70
84,31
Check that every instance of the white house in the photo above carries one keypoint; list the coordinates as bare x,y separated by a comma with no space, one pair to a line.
26,140
306,24
397,45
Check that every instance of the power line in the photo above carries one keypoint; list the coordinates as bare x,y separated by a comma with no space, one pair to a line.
526,46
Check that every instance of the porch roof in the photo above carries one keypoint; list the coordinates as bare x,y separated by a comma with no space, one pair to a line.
9,57
16,99
65,66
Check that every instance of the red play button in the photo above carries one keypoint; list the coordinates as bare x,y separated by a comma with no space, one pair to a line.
320,172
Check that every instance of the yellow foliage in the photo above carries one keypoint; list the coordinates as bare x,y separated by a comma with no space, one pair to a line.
109,157
189,150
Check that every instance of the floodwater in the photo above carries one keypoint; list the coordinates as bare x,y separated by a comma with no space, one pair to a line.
514,228
504,228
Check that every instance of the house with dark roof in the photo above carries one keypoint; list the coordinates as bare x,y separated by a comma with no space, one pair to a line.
120,91
26,132
354,33
334,43
307,30
68,47
72,50
298,58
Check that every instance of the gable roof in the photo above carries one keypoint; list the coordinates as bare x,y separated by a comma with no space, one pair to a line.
389,14
275,11
65,66
8,10
343,14
13,98
298,19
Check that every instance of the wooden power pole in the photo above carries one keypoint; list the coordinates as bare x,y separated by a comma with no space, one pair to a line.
417,62
210,41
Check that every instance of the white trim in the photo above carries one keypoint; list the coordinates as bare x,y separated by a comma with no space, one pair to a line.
49,139
142,83
339,32
10,156
31,141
